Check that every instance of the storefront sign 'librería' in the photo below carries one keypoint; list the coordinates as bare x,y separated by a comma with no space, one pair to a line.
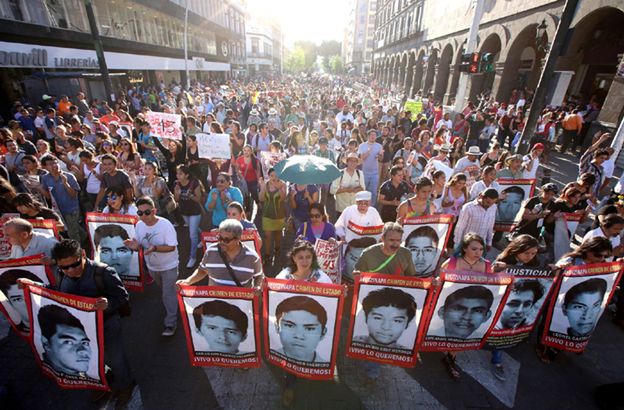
38,57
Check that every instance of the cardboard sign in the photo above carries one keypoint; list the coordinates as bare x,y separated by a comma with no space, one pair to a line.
165,125
214,146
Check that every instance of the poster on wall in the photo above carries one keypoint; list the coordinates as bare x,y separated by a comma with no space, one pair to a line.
222,325
580,298
302,325
107,233
67,337
386,318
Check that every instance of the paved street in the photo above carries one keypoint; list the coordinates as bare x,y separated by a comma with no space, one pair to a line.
167,381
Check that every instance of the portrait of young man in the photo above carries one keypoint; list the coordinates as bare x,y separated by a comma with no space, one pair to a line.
301,323
422,242
109,245
388,313
582,306
15,296
222,325
521,301
509,206
66,347
463,312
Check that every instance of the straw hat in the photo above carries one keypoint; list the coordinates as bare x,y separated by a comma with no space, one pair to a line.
352,155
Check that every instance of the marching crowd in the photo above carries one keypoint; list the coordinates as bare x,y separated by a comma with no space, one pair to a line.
63,157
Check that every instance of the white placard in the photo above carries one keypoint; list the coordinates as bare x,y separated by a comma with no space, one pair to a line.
213,146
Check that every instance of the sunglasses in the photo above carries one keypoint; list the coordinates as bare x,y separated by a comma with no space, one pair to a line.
112,197
226,240
315,215
147,212
71,266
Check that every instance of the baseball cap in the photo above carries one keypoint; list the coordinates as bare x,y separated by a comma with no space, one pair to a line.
323,140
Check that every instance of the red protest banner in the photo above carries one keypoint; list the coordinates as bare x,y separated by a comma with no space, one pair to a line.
426,238
45,226
387,318
579,299
107,233
515,191
222,325
302,325
80,366
12,302
467,306
530,293
328,255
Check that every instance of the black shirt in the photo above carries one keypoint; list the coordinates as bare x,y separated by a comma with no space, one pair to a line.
557,206
532,227
391,193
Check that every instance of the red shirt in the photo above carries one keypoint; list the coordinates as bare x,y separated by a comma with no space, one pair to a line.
247,170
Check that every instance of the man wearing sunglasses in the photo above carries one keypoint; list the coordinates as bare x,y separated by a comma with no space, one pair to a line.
228,262
159,241
81,276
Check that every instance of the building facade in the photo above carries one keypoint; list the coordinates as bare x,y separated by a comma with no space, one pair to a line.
47,46
263,46
419,43
357,44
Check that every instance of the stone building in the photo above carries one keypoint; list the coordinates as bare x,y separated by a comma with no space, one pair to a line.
357,44
419,43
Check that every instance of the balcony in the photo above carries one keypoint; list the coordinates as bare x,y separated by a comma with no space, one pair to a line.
259,55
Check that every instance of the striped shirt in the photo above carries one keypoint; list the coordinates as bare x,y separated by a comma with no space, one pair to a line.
246,266
475,218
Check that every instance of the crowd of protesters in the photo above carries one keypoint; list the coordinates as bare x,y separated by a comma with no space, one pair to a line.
63,157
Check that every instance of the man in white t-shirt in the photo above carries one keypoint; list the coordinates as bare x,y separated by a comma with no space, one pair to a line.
344,116
531,162
159,241
610,227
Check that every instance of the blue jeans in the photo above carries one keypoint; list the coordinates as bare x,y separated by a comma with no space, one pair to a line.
371,181
497,356
193,223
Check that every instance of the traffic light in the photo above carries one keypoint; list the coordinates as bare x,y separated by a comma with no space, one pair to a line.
487,63
475,58
469,63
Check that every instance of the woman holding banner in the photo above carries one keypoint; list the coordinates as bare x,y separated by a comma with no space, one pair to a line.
317,226
593,250
470,259
420,204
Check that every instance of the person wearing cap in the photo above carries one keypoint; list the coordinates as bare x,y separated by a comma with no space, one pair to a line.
531,161
349,183
323,150
513,168
469,163
254,117
535,210
478,217
357,226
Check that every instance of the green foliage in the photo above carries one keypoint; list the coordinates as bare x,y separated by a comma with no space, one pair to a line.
307,56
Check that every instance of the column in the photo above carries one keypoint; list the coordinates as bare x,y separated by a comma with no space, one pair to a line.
451,87
436,70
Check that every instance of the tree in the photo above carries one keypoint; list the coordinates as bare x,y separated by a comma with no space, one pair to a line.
295,60
335,64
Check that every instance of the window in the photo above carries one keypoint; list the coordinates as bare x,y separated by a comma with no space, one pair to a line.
255,46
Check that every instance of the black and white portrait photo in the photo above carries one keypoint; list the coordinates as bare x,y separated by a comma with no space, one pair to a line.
12,298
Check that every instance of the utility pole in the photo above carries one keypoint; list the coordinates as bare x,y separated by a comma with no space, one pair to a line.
186,69
539,98
471,46
99,51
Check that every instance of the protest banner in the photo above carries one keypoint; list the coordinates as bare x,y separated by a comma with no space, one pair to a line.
107,233
426,238
165,125
5,245
467,307
565,227
413,106
213,146
249,238
370,234
328,256
386,318
302,325
529,294
67,337
222,325
515,192
580,298
12,302
45,226
269,160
